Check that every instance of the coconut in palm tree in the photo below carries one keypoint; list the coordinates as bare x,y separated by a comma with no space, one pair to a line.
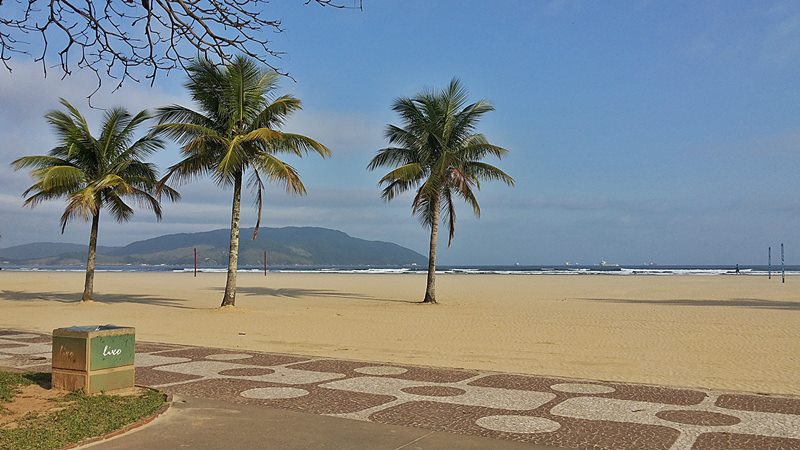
438,153
96,173
235,133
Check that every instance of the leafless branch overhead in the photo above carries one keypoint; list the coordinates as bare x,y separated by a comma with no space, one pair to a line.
130,39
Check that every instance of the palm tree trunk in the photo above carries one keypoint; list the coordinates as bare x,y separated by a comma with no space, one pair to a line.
430,290
88,287
233,256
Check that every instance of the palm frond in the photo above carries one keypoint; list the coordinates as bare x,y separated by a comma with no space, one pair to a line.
280,172
76,118
181,114
397,187
476,147
83,203
462,184
409,111
113,182
148,201
276,112
169,192
449,210
483,171
235,158
467,119
244,92
40,196
299,144
188,169
142,147
60,177
393,156
402,137
258,187
119,210
186,132
115,120
401,179
204,83
426,199
38,162
264,136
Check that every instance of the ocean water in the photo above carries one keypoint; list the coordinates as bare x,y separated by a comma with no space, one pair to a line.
515,270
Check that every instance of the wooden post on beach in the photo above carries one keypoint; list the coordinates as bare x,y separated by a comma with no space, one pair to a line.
265,263
769,261
195,262
783,267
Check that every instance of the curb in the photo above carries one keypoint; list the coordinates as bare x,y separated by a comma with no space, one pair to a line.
130,427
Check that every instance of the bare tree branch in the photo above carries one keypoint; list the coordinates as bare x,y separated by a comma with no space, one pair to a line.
127,39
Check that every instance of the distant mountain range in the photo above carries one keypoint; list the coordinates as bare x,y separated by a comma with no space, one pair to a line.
284,246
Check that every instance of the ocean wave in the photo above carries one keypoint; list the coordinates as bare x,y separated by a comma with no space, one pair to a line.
446,270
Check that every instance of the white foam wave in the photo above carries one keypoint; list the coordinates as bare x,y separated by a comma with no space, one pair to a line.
466,271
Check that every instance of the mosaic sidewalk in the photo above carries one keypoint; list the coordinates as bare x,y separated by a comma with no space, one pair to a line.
541,410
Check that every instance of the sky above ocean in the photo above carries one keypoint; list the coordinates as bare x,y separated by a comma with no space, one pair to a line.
663,131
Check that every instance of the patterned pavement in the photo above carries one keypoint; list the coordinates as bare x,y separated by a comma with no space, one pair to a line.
541,410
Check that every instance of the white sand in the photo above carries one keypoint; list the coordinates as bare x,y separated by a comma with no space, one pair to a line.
722,332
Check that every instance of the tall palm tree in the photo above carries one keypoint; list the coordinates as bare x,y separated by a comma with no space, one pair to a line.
438,153
235,131
93,173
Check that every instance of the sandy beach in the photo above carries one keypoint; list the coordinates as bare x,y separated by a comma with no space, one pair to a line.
719,332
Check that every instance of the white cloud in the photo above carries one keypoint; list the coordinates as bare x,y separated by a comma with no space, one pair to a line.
26,95
769,37
341,132
781,44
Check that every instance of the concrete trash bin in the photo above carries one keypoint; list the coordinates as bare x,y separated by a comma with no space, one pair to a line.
96,358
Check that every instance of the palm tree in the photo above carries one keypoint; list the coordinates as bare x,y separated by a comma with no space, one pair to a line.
438,153
235,131
95,173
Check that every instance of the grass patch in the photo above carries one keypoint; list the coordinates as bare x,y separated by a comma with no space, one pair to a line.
77,416
10,383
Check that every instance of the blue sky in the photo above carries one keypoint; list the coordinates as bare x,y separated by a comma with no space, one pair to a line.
638,131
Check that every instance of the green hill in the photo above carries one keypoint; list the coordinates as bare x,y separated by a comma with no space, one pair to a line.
284,246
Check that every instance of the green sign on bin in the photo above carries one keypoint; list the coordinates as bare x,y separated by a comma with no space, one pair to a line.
112,351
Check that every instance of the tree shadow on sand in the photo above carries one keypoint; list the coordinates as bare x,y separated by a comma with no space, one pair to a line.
75,297
294,293
732,303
